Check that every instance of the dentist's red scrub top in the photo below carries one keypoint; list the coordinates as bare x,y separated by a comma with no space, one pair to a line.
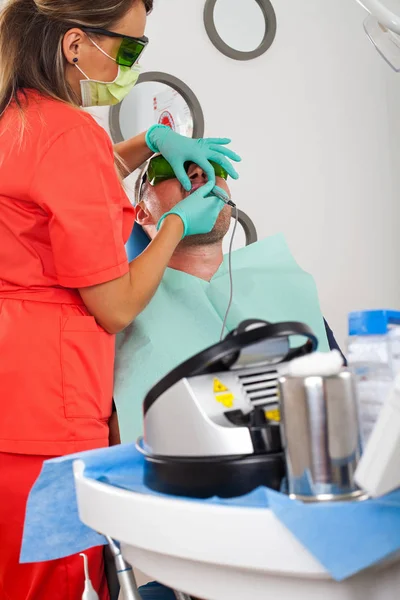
64,220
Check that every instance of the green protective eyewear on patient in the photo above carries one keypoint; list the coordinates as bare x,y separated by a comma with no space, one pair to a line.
160,170
130,49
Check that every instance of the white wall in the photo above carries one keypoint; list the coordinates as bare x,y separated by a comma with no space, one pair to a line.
317,122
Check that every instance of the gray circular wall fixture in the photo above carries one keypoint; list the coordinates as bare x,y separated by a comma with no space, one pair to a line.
176,84
269,35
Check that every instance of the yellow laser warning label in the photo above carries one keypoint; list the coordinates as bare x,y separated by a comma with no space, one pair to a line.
226,399
273,415
219,386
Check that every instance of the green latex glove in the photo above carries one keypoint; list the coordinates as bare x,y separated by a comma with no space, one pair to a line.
199,211
178,149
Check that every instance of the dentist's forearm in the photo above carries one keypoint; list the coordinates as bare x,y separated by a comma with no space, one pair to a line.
117,303
146,270
134,152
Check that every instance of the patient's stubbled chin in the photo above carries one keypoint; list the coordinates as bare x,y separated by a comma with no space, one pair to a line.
215,236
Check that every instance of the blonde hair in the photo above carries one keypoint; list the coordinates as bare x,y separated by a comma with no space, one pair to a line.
31,34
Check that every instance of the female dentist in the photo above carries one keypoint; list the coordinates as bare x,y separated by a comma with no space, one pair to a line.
65,284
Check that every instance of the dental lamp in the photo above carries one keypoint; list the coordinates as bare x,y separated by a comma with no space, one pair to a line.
382,26
385,16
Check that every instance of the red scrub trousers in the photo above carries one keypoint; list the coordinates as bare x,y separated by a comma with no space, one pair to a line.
56,580
64,220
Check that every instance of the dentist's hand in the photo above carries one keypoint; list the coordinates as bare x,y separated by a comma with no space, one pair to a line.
178,149
198,212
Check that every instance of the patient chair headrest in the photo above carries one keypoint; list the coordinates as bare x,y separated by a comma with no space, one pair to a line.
137,242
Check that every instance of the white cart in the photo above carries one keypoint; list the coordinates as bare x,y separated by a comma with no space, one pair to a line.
217,552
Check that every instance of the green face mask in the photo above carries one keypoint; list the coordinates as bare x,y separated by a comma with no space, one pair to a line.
107,93
102,93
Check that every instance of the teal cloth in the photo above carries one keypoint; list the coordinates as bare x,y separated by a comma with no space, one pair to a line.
186,315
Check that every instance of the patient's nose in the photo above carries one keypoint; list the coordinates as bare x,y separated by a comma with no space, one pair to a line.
196,173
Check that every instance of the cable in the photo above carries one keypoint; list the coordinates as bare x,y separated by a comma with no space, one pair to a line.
230,274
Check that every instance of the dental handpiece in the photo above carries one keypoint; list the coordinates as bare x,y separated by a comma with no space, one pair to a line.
223,197
125,574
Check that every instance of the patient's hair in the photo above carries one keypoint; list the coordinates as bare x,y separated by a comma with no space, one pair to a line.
31,34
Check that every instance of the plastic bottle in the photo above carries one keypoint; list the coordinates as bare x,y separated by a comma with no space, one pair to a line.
374,358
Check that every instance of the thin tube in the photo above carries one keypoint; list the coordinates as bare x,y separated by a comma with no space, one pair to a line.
230,274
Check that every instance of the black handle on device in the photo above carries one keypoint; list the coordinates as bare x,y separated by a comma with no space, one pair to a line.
212,359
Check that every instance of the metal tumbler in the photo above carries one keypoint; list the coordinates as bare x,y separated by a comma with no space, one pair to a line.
321,437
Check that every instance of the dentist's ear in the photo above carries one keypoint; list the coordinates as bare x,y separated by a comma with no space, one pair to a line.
143,217
72,45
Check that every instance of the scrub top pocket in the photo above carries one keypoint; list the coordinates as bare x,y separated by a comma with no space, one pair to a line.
87,364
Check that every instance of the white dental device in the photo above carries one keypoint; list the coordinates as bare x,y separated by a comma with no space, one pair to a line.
89,593
383,12
378,472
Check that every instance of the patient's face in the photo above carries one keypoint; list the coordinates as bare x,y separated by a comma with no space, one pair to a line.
162,197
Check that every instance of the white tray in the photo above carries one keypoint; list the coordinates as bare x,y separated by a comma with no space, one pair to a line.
217,552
